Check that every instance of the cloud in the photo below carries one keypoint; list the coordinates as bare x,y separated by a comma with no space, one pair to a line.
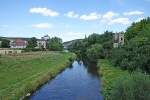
109,15
74,34
103,21
43,25
147,0
133,13
71,15
96,25
67,26
139,19
5,25
119,20
44,12
91,16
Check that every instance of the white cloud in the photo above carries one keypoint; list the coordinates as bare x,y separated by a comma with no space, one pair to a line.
74,34
119,20
109,15
92,16
96,25
44,12
103,21
67,26
71,36
139,19
5,25
43,25
133,13
71,15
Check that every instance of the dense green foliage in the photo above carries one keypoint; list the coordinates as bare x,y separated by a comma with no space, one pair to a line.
135,53
5,43
55,44
96,46
136,28
32,43
131,87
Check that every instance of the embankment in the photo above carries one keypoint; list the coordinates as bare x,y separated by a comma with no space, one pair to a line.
20,75
108,75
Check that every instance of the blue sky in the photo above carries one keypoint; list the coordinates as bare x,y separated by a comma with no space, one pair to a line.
68,19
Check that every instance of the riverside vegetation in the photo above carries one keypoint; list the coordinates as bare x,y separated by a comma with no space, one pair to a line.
23,73
124,70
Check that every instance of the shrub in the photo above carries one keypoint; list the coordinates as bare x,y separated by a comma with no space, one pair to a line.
132,87
70,59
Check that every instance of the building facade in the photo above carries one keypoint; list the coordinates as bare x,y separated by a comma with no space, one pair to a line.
42,41
5,51
18,44
119,37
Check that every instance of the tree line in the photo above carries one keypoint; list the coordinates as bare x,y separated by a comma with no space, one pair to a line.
133,55
94,47
53,44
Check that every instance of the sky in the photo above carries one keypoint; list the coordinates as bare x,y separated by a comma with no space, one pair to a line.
69,19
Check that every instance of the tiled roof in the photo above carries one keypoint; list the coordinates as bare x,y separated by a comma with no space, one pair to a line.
18,42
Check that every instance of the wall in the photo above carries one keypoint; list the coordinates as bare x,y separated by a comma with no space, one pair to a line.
9,51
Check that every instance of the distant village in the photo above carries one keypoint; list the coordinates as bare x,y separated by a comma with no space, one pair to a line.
19,43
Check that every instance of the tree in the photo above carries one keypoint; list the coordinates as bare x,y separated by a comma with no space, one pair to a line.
55,44
5,43
95,52
32,43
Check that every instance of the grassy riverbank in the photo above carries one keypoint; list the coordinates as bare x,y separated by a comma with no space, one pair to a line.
22,74
122,85
108,75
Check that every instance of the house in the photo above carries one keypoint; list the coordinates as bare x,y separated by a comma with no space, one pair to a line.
18,43
5,51
119,37
42,41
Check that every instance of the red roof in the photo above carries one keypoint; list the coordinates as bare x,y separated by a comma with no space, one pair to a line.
18,42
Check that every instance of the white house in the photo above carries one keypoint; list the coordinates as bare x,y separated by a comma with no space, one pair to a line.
42,41
18,43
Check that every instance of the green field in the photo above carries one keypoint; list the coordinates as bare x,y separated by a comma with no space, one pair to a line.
21,74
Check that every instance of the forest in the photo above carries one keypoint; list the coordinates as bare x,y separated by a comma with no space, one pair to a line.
133,56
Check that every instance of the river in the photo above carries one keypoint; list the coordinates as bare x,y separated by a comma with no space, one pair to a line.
74,83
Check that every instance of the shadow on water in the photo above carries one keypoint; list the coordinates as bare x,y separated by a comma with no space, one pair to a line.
91,67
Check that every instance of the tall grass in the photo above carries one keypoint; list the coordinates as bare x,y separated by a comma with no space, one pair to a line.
108,75
23,73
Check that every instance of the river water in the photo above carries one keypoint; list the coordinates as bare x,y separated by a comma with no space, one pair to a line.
75,83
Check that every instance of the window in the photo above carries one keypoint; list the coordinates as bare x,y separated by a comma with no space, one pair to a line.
9,52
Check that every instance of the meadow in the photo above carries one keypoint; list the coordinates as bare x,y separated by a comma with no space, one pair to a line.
21,74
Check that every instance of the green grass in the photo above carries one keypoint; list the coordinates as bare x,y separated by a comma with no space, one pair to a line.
108,75
23,73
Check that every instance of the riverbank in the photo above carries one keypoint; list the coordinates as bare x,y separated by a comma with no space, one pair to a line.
108,75
22,74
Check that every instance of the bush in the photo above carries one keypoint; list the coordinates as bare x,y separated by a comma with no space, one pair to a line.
26,49
70,59
132,87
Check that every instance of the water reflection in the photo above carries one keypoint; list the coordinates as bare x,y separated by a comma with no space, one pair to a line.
78,82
